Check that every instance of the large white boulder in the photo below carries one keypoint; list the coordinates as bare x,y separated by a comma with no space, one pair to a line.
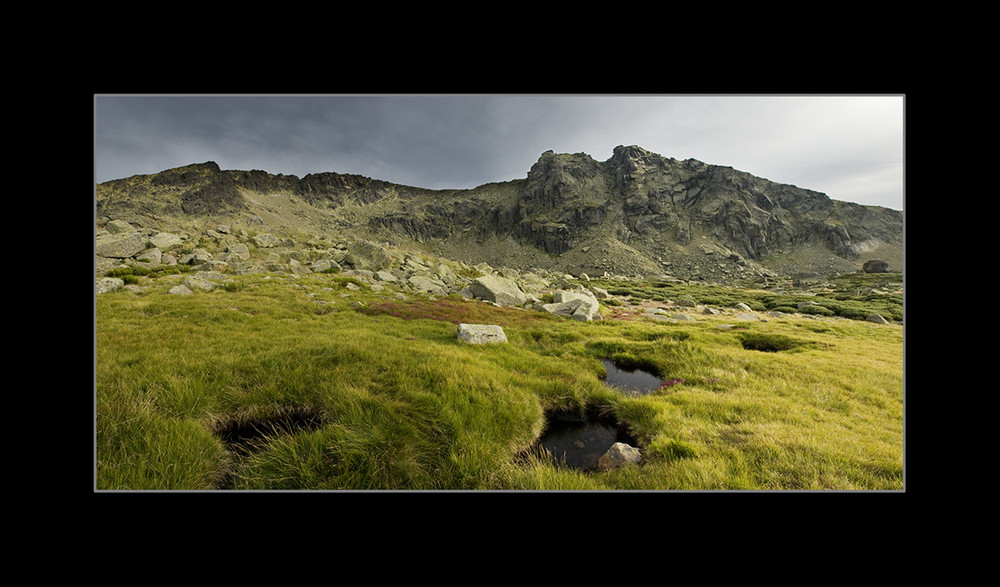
500,290
481,333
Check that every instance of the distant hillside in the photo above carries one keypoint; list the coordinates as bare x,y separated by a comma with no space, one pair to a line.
638,213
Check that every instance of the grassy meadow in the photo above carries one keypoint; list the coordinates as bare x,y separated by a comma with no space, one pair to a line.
302,383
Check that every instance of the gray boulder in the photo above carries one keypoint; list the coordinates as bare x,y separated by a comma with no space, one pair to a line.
211,275
165,241
198,257
618,455
236,252
198,284
360,274
119,227
580,305
120,246
877,319
215,266
500,290
365,254
153,255
246,268
321,266
875,266
428,285
481,333
265,241
109,284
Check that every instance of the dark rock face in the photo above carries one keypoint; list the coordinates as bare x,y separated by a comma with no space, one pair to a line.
336,189
875,266
196,190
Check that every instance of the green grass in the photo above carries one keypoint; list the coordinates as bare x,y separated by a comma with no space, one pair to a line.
396,402
850,296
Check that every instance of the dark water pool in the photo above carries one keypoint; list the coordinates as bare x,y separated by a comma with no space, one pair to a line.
578,445
634,382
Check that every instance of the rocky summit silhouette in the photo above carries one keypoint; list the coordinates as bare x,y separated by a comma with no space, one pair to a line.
638,214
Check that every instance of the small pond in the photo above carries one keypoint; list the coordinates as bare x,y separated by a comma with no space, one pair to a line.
579,443
632,382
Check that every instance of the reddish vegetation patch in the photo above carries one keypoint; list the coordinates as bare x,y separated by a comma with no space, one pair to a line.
452,310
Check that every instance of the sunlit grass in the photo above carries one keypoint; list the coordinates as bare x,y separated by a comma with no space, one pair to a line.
402,405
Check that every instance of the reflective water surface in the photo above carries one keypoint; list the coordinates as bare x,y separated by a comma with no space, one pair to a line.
636,382
578,444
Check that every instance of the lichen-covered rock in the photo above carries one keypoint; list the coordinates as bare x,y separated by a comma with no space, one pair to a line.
121,245
618,455
877,319
153,255
236,252
165,241
196,283
265,241
385,276
119,227
428,285
109,284
481,333
365,254
580,305
500,290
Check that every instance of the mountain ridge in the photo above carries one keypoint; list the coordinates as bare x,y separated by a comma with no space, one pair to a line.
637,213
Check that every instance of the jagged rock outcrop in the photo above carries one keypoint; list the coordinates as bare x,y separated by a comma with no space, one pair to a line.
637,213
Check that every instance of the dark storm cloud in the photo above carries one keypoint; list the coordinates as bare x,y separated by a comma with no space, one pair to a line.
849,147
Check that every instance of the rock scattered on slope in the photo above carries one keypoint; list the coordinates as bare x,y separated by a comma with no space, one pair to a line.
109,284
580,305
481,333
499,290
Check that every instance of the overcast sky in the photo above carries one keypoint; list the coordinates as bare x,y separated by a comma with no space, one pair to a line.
850,147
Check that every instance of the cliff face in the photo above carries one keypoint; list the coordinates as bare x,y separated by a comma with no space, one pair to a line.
636,212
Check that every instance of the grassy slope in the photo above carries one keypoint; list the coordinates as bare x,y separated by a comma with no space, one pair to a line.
401,404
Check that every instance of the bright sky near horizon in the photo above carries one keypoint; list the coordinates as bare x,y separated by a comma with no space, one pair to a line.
849,146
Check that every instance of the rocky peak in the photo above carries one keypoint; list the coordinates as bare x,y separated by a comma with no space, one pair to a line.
556,179
563,168
632,157
186,175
